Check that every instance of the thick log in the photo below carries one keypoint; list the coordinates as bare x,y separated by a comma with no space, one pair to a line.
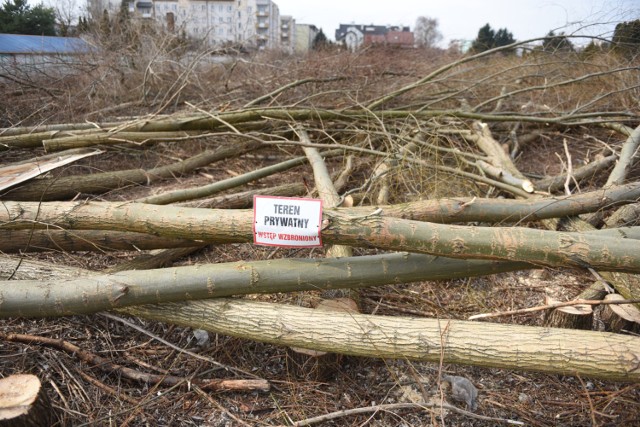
607,356
559,351
14,268
39,298
12,241
555,183
549,248
628,155
450,210
628,215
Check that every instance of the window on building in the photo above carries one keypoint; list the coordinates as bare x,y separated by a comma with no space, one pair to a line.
229,19
220,8
221,20
221,31
249,9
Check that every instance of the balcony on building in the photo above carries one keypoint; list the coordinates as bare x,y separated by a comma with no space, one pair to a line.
144,8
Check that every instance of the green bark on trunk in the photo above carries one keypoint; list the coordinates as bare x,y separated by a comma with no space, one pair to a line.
540,247
38,298
558,351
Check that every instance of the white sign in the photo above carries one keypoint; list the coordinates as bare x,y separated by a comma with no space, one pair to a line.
287,221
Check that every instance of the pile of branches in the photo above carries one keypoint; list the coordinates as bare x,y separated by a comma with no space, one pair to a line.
425,187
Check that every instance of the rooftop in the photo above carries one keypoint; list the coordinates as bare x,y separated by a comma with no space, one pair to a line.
25,44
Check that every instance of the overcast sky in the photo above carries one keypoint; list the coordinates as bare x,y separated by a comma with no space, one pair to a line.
461,19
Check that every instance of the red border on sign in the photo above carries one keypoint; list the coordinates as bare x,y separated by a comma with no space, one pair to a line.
253,226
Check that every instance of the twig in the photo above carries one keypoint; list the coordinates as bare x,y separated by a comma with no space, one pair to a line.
551,306
395,406
592,410
220,407
289,86
175,347
119,394
132,374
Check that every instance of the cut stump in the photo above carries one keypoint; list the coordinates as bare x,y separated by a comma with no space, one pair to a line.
23,402
579,316
622,317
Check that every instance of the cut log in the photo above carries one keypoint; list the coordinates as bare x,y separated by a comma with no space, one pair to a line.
620,317
561,351
23,402
548,248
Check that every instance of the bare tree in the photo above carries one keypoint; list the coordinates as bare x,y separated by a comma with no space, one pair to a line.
426,32
67,14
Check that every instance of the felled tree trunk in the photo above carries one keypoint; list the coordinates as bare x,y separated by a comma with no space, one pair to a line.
97,292
548,248
561,351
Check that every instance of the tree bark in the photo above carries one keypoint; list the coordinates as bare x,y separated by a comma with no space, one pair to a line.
549,248
555,183
12,241
48,297
559,351
458,210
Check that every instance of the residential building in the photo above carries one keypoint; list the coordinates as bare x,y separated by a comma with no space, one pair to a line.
287,33
355,36
216,22
267,24
305,35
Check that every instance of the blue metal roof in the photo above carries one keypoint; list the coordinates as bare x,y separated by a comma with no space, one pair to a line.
23,44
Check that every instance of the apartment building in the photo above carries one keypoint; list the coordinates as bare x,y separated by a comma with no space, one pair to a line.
253,23
305,35
355,36
287,33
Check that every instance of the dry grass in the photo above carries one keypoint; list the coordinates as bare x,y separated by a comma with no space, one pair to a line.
158,80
